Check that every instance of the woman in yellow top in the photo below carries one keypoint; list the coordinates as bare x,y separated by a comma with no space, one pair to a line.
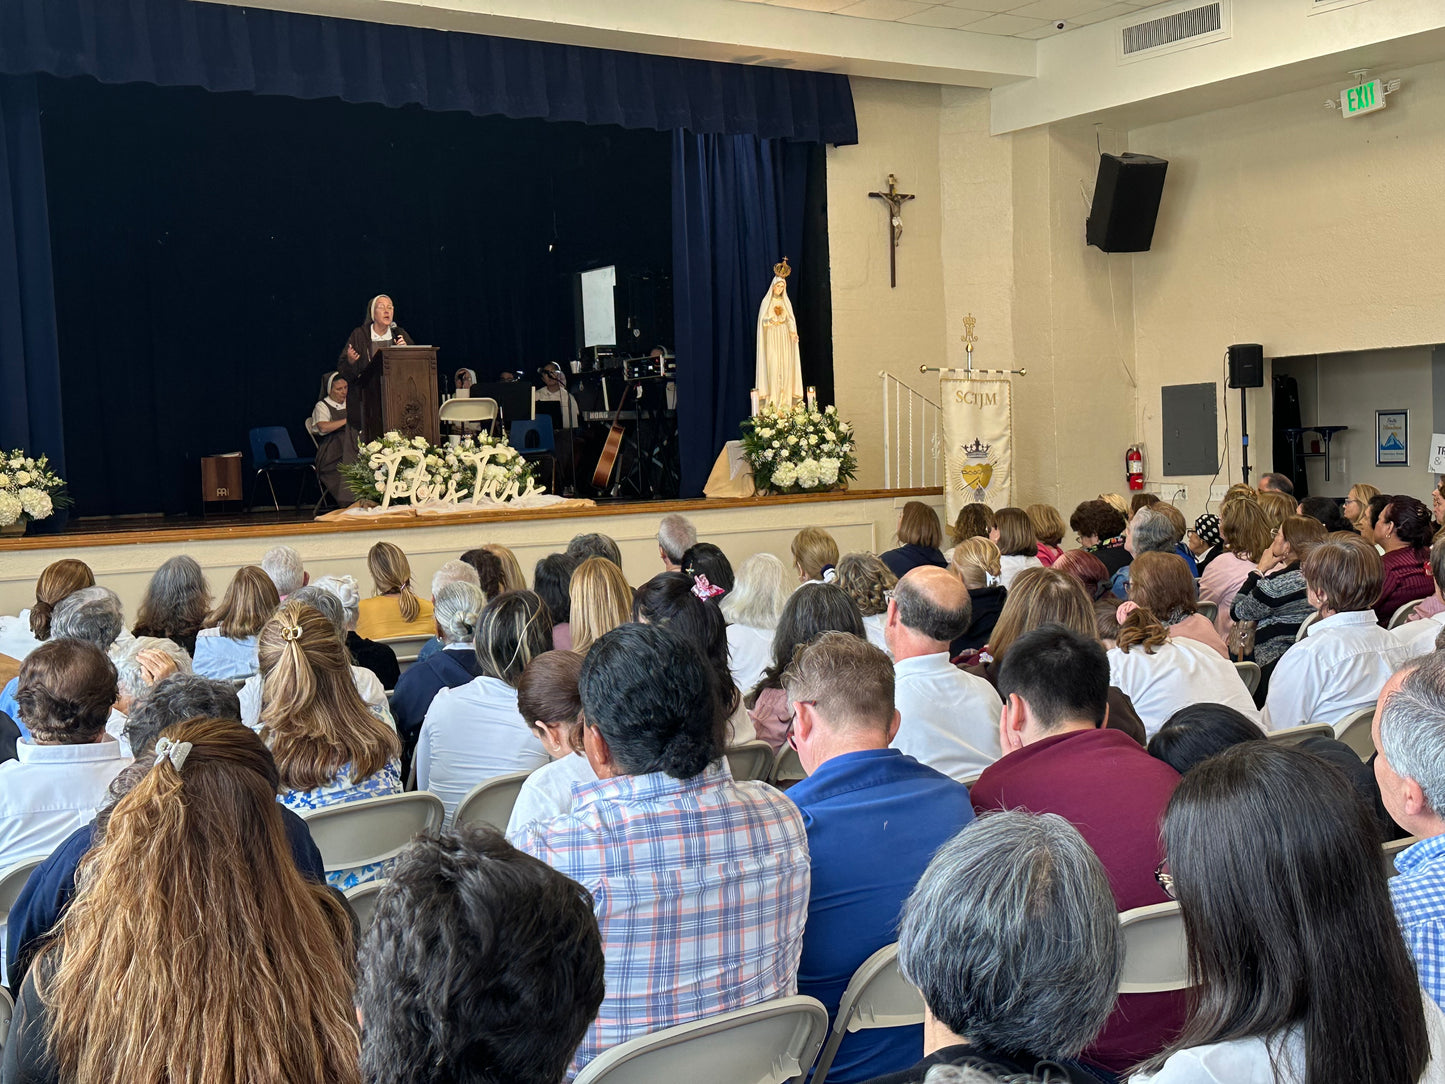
395,611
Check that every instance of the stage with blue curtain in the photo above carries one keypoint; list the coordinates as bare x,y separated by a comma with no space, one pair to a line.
198,200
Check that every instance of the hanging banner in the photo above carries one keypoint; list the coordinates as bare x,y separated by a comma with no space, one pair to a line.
978,441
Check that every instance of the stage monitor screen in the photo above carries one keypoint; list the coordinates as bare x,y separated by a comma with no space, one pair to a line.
599,313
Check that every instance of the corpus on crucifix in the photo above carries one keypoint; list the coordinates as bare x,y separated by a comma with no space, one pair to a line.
895,200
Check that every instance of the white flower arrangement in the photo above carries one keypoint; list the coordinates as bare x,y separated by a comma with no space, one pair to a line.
425,473
29,489
799,450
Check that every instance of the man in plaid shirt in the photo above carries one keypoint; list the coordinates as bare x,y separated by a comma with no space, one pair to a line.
700,882
1409,732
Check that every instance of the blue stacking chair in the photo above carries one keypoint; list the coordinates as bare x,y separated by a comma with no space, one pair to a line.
535,441
272,450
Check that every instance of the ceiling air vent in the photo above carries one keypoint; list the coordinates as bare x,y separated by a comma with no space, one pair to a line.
1183,28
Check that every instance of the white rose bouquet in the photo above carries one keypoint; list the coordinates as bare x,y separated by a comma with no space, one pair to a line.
29,489
799,450
442,465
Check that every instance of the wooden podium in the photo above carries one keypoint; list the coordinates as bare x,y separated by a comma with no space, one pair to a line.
399,391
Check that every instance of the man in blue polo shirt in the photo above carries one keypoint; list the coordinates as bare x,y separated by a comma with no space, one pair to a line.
874,818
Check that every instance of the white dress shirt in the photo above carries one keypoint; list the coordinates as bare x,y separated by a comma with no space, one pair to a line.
873,626
547,793
1010,565
472,733
16,639
368,686
49,791
1180,673
750,652
1338,668
949,719
1418,637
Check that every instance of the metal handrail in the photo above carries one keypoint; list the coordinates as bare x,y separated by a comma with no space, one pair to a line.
921,429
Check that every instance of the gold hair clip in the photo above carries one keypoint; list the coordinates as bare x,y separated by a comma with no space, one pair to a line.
290,633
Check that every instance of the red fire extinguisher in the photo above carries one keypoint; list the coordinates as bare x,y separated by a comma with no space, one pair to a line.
1134,466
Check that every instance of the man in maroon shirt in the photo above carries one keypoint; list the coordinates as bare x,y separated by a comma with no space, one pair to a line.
1058,758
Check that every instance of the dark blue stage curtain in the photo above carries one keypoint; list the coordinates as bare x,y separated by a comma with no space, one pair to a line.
29,355
737,209
220,47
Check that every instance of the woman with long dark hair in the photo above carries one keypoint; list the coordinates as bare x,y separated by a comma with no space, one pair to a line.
1300,974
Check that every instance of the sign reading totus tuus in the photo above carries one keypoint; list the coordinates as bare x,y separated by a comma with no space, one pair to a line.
978,441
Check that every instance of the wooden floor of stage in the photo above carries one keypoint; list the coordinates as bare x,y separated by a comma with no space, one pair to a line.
132,530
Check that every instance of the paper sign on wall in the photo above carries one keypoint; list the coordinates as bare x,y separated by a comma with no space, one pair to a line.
1437,453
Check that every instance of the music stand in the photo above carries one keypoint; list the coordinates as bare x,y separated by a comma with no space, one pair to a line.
514,398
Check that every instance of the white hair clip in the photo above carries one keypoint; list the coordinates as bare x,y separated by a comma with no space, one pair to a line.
174,751
990,580
829,573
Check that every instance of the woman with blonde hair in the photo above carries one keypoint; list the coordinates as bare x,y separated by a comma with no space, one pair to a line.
475,731
601,600
395,610
21,635
752,609
1119,503
513,578
229,967
976,562
1274,595
1161,583
815,553
226,647
868,581
1247,535
329,747
1159,674
1018,549
919,538
175,603
1356,507
1277,507
1049,530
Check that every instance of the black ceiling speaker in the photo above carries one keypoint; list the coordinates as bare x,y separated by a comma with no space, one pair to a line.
1126,202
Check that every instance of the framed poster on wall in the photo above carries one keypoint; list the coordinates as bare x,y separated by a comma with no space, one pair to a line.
1392,438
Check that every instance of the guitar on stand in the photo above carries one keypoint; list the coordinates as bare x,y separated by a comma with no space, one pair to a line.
612,448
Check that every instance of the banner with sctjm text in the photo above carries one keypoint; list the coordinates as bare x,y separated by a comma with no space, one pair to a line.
977,440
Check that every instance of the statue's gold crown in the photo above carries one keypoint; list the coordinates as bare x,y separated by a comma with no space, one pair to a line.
782,270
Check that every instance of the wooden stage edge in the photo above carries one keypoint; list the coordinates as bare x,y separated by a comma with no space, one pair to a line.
200,533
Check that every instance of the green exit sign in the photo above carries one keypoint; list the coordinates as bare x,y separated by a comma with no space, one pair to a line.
1365,98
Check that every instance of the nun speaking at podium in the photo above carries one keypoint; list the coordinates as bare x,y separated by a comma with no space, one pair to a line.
359,355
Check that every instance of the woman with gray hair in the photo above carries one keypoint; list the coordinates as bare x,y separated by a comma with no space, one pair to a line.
1012,939
175,603
379,658
753,608
1150,531
455,609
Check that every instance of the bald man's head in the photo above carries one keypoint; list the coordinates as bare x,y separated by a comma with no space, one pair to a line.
933,603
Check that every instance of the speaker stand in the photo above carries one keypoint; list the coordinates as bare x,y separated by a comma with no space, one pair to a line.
1244,429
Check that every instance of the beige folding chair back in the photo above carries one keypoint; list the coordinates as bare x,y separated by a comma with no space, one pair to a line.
12,880
7,1009
1208,609
1291,734
469,410
1394,847
878,996
363,900
372,829
407,648
764,1044
970,779
787,768
1400,616
1354,731
491,801
751,760
1304,626
1249,674
1156,954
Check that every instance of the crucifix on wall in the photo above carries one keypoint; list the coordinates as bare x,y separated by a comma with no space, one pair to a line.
895,200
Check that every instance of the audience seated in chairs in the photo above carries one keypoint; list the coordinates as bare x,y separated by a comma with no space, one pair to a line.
21,635
600,600
395,610
1049,530
815,555
1012,939
973,521
226,647
920,540
1301,977
491,574
481,964
329,748
1161,674
812,609
283,564
1247,534
474,731
51,887
675,536
1418,636
665,810
857,793
222,938
145,662
1149,531
1404,531
1204,541
1274,595
92,614
949,719
1160,582
1058,758
1013,533
594,544
976,562
753,609
175,603
548,698
456,608
450,572
552,580
1346,659
370,655
1100,528
869,582
704,561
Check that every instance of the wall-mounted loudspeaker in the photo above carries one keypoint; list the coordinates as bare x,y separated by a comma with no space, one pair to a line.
1126,202
1246,365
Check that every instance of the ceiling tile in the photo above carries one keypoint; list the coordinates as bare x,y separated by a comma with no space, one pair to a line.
1048,30
1110,12
885,10
1005,24
1054,10
946,17
811,5
991,6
